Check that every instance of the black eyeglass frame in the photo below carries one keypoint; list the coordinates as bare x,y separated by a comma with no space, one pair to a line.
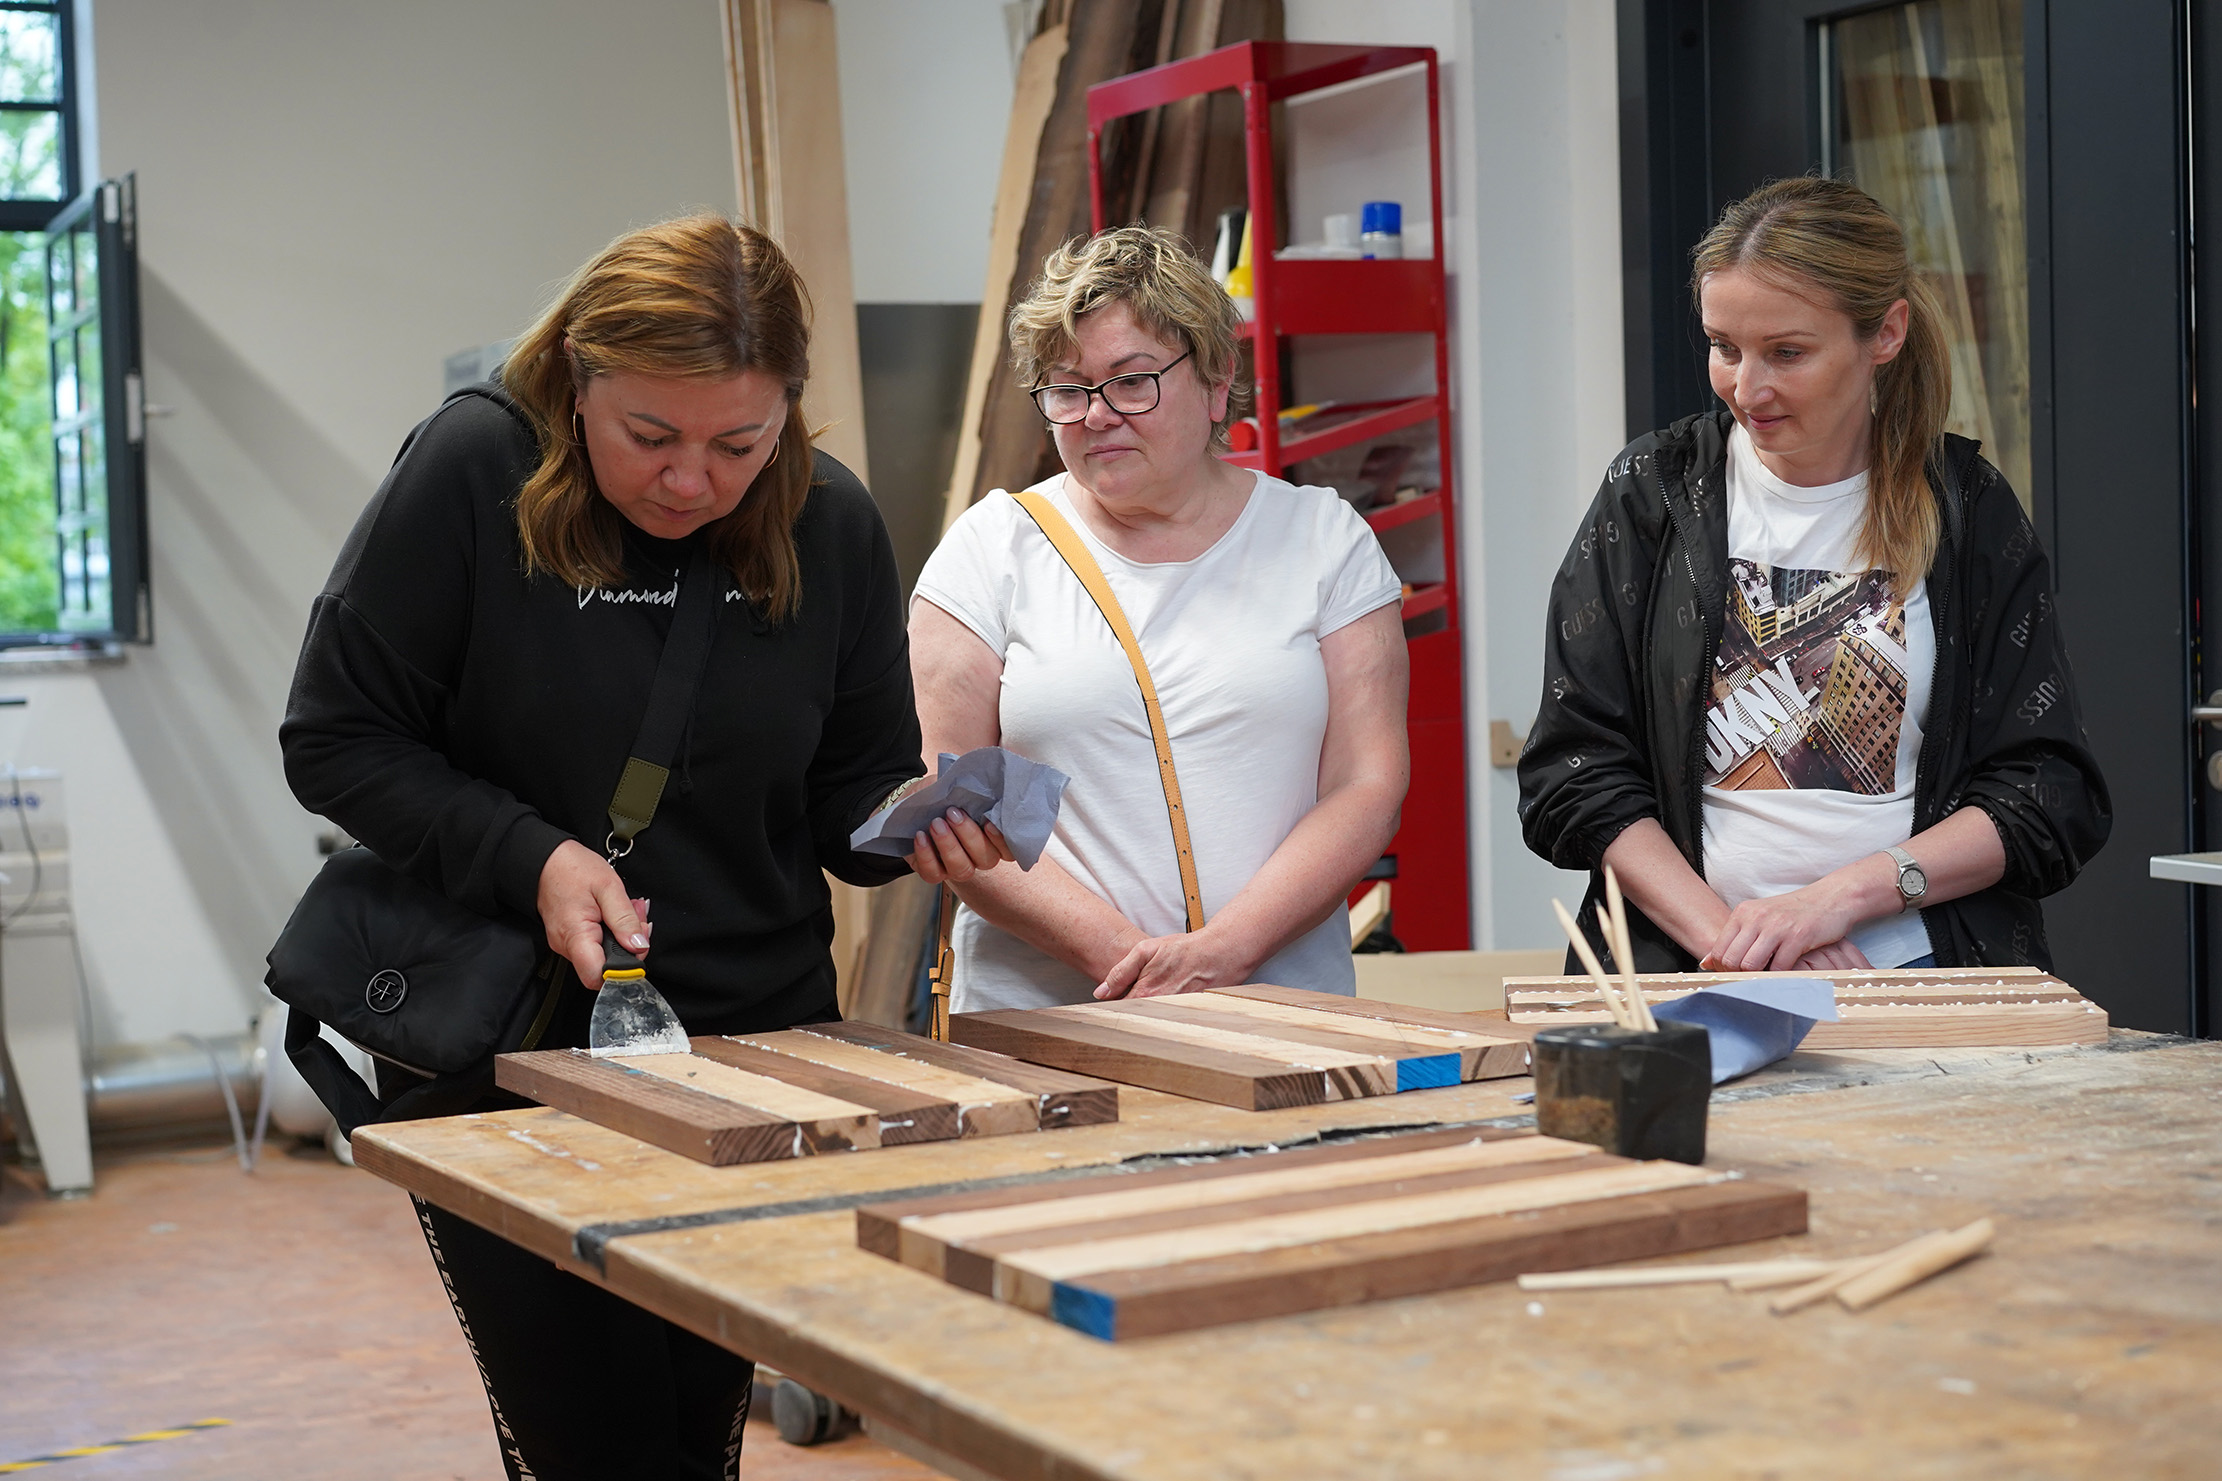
1155,378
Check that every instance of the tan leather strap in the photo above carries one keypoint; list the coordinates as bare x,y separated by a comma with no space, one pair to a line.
945,964
1075,551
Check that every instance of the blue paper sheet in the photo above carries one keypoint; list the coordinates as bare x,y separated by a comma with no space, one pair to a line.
1756,1022
989,785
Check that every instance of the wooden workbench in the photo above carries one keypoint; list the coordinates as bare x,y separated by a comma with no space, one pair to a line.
2087,1344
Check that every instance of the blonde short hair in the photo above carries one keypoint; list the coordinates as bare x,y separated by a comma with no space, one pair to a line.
1152,272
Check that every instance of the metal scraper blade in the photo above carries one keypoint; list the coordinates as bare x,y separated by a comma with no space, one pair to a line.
630,1016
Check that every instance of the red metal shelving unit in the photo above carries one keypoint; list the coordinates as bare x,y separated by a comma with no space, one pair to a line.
1326,298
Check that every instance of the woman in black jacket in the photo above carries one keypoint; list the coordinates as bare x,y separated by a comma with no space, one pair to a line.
1804,686
473,679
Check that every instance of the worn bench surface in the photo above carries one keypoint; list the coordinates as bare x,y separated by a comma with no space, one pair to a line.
2086,1344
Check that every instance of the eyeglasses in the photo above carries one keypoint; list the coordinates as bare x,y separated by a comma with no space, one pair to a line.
1129,395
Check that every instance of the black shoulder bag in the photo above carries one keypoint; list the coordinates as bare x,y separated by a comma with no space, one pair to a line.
431,987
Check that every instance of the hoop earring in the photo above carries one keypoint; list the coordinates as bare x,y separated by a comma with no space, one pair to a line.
774,457
578,431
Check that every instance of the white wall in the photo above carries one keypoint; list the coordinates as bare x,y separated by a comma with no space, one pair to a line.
332,197
1531,241
925,102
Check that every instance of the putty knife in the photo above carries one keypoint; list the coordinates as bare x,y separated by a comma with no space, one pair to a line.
630,1016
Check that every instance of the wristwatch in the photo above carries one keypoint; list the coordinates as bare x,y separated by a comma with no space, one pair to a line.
1913,880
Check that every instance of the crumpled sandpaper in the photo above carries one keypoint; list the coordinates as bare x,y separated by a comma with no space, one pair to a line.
1754,1023
990,785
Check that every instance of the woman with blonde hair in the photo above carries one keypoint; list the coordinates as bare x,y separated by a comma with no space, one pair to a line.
1264,616
475,675
1804,684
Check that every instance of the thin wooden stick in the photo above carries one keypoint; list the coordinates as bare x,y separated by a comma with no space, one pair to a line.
1639,1008
1912,1266
1786,1275
1677,1275
1828,1285
1589,960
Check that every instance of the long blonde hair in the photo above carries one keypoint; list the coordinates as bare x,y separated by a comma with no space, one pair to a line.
1814,236
697,298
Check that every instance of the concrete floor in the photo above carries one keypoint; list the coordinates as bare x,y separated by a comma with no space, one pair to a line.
299,1303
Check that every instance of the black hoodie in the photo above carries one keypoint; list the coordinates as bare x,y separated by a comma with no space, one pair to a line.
463,720
1636,615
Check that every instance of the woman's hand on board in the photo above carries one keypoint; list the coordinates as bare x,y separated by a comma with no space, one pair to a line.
1801,928
956,848
579,894
1158,966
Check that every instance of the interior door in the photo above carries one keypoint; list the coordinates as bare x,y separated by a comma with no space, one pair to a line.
2038,151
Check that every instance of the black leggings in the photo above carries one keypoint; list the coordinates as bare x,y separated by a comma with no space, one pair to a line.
586,1386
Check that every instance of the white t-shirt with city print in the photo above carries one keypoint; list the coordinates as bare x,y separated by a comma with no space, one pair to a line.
1819,691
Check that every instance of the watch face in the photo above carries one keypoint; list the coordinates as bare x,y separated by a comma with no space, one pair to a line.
1912,883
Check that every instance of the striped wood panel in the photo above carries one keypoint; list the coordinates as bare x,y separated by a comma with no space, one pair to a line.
1940,1008
1143,1254
1256,1048
833,1087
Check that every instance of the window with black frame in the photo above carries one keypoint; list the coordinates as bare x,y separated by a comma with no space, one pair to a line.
72,453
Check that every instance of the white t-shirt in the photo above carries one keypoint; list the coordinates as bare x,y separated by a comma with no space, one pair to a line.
1232,642
1819,693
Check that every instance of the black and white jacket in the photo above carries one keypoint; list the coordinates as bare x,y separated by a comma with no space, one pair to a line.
1636,615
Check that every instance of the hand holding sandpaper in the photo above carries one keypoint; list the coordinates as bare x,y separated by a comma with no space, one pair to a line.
992,786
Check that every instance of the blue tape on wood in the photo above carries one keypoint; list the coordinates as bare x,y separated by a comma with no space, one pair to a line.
1084,1310
1431,1073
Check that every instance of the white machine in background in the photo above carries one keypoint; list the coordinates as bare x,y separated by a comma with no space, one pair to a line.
41,994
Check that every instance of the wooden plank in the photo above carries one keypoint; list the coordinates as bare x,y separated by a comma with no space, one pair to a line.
1350,1076
824,1123
1508,1056
1965,1007
983,1107
678,1118
1127,1304
1062,1099
1246,1082
1028,1278
1471,1048
1031,99
963,1248
1419,1064
905,1115
878,1225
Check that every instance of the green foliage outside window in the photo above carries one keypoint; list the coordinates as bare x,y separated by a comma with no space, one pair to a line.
30,168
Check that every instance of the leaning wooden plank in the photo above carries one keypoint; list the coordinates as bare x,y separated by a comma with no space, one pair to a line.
983,1107
1028,1278
1062,1099
878,1225
1151,1302
906,1115
826,1124
1350,1076
1239,1080
679,1119
1308,1026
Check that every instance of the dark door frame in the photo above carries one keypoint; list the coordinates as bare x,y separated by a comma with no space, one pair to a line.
1719,95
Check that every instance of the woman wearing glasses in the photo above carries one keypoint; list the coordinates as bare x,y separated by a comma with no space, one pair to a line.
1270,624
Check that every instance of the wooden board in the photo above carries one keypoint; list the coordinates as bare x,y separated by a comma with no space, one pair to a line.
1146,1254
1255,1048
1940,1008
798,1092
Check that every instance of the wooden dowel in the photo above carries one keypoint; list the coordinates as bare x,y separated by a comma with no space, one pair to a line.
1828,1285
1623,950
1788,1274
1783,1271
1912,1266
1589,960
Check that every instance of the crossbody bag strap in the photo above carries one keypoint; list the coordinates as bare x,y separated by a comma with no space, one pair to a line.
670,700
1068,544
